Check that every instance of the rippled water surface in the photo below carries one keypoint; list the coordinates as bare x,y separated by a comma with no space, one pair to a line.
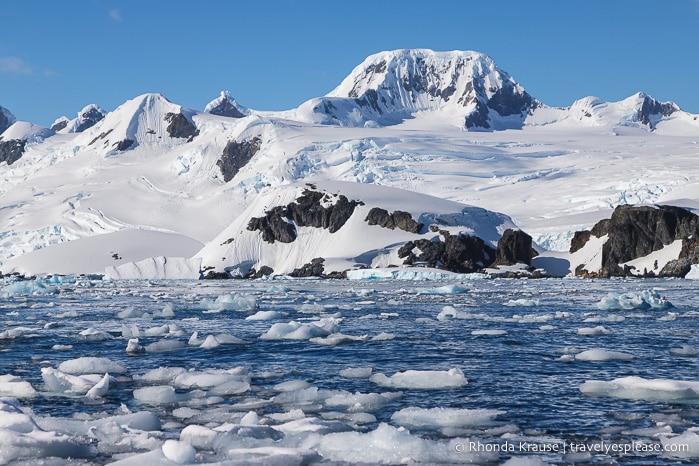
523,365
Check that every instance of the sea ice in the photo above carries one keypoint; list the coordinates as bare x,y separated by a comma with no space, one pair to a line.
178,452
33,287
156,395
301,331
15,387
356,372
415,379
638,388
594,331
229,302
266,315
597,354
445,417
633,300
90,365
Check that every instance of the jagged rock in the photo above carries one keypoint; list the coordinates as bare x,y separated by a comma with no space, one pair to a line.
59,124
652,107
123,145
635,232
580,239
213,275
12,150
456,253
514,246
397,219
312,269
236,155
180,127
280,223
88,117
263,272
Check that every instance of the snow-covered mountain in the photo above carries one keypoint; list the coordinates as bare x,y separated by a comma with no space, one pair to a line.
449,130
6,118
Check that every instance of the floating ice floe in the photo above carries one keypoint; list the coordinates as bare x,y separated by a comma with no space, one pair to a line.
446,289
638,388
266,315
597,354
56,381
32,287
91,365
19,332
685,350
633,300
14,387
685,445
22,437
356,372
228,302
523,302
429,380
594,331
445,417
335,339
301,331
489,332
168,312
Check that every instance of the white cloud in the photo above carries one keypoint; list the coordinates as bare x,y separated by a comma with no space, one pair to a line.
14,66
115,15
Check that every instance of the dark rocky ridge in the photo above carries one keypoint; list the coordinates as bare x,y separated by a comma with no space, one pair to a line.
180,126
651,107
635,232
56,127
89,118
397,219
12,150
280,223
468,254
6,119
236,155
226,108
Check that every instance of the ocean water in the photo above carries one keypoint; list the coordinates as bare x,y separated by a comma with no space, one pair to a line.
489,371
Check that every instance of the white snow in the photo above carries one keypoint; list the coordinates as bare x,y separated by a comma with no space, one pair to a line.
633,300
598,354
445,417
156,268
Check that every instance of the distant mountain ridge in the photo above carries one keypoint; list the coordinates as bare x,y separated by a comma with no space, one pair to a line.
450,126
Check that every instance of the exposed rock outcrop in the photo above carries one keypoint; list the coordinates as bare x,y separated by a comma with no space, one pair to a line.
398,219
180,127
515,246
652,110
456,253
312,269
12,150
236,155
636,232
279,223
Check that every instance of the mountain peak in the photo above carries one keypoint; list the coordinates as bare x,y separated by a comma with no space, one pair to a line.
225,105
404,82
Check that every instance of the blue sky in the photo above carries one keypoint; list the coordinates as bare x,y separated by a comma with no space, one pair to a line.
56,57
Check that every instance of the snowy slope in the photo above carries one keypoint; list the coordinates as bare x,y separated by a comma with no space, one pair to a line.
401,119
237,249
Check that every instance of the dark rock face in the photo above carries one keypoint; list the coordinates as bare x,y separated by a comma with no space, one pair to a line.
312,269
5,122
226,108
180,127
236,155
398,219
59,126
513,247
279,223
580,239
638,231
89,119
123,145
651,107
12,150
456,253
263,272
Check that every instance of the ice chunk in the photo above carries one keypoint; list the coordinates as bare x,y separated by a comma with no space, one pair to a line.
156,395
178,452
633,300
597,354
356,372
60,382
100,388
15,387
445,417
161,375
685,350
638,388
164,346
452,378
229,302
524,302
90,365
391,445
266,315
335,339
446,289
133,346
594,331
489,332
685,445
93,334
33,287
301,331
198,436
361,402
693,273
291,385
